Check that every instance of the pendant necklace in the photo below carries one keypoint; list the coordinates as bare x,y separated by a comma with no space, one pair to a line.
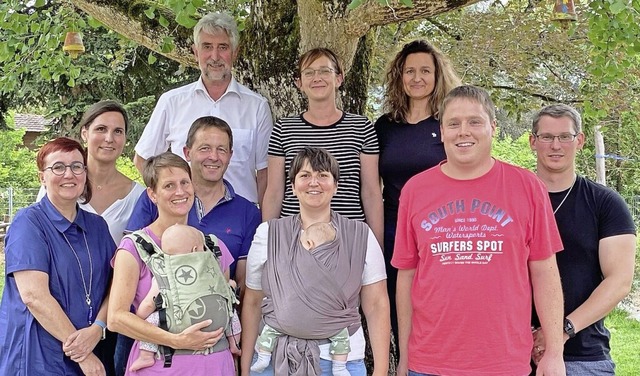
567,195
87,292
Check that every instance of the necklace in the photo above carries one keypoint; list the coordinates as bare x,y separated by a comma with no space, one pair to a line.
87,292
106,182
99,187
567,195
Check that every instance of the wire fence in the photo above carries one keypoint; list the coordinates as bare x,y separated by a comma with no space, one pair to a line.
13,199
634,206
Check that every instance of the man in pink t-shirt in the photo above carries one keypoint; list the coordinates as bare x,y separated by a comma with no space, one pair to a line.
475,238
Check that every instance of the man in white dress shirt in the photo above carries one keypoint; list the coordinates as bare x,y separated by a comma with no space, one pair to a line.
216,93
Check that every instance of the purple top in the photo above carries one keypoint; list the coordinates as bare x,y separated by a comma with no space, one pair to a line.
216,364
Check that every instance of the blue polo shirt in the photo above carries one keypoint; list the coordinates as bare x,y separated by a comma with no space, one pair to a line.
234,220
35,241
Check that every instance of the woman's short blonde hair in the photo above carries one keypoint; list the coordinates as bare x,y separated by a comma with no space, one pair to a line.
153,165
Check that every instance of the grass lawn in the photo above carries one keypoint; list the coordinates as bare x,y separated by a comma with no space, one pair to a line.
625,343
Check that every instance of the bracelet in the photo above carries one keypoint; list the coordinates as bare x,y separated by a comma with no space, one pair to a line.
102,325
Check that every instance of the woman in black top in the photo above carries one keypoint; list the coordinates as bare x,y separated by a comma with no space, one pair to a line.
418,78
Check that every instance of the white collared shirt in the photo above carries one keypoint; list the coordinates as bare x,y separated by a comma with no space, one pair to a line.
246,112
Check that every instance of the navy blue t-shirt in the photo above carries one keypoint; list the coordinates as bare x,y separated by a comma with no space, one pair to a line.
405,150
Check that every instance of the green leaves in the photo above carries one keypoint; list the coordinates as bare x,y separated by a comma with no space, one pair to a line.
17,167
185,19
93,22
167,44
515,151
354,4
150,13
184,12
618,6
163,21
30,42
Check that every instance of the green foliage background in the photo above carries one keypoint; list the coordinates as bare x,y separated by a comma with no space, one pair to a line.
17,163
36,76
526,61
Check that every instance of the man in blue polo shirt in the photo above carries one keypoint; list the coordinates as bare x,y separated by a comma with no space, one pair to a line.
217,209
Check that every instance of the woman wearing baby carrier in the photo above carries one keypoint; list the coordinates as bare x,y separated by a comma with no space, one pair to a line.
168,180
311,295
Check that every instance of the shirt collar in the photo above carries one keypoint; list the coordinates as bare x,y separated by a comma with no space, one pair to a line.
233,87
58,220
229,194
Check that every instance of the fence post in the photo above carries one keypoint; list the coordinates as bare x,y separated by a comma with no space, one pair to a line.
10,193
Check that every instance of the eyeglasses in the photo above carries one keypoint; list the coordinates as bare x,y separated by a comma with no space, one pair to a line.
59,168
322,72
565,138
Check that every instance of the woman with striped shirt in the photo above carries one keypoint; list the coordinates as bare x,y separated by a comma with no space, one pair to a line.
350,138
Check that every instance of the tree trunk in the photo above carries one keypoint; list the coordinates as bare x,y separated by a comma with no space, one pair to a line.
269,51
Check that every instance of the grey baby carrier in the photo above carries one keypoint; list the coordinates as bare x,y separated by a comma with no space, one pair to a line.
192,289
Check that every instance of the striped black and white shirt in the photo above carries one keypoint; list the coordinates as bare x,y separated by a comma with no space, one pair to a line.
345,140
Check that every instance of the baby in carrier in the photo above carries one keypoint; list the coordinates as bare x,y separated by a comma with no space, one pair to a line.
176,240
314,236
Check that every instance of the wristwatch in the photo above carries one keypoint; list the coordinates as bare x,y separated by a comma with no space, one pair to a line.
102,325
569,328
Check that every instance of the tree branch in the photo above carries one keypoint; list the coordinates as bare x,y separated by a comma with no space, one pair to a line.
127,19
536,95
444,28
375,14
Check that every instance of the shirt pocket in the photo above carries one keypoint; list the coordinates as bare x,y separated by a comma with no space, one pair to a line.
242,145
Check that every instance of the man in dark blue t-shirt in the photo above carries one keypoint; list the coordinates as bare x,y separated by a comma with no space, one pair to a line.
598,234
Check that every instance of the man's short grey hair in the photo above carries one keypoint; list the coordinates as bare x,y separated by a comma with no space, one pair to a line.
217,23
557,111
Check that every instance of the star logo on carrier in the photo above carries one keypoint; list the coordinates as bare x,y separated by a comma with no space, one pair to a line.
186,275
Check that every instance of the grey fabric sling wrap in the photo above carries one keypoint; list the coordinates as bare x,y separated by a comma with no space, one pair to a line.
311,295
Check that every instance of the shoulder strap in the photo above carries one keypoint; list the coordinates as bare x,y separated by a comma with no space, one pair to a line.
211,243
148,251
144,244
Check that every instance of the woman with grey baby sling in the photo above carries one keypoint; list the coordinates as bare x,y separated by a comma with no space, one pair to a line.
311,295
